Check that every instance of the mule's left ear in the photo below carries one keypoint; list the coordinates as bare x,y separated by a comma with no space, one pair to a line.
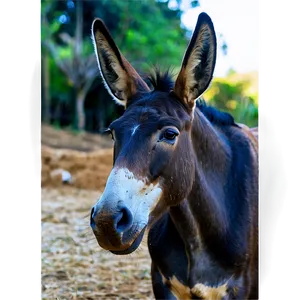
198,63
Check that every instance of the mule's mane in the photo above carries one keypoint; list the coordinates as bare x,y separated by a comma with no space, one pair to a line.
163,82
214,115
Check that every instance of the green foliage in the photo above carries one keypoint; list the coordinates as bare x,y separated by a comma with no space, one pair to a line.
147,32
246,112
232,94
61,88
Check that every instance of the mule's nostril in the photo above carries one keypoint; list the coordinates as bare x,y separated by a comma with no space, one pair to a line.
92,221
123,220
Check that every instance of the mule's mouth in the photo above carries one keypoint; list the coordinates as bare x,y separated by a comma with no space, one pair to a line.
133,246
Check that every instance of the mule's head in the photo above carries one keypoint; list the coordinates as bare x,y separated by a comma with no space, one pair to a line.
153,157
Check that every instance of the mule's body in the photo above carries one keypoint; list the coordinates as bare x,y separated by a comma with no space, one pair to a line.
185,171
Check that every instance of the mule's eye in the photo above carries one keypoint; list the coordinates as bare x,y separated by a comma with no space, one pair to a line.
170,135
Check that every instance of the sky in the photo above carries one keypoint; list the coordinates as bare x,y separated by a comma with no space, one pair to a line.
237,20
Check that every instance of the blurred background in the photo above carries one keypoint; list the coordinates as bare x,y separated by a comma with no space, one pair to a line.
77,158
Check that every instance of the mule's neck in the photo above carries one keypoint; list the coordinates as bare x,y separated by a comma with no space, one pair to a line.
212,166
202,219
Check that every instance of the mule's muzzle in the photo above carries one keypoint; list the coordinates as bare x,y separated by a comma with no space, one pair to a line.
114,230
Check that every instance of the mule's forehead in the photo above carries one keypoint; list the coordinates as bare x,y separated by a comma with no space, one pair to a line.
152,112
138,119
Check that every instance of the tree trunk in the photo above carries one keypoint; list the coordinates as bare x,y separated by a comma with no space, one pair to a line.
80,98
80,111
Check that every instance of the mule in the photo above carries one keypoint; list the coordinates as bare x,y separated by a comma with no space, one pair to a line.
185,171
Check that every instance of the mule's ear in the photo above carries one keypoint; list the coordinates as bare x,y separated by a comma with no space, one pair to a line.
120,78
198,63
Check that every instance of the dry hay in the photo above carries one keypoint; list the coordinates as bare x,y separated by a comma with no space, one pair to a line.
73,265
89,170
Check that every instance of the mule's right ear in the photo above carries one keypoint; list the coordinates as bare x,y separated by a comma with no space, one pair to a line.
120,79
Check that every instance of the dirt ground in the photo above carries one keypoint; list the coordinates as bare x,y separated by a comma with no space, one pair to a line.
88,170
73,265
86,157
67,139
